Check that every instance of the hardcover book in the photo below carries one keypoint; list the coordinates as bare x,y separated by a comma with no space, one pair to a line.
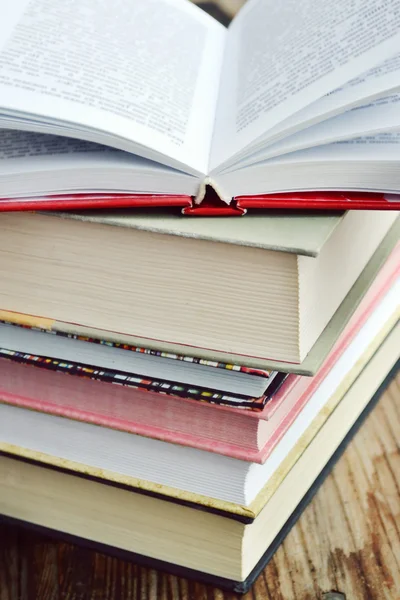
309,366
148,104
257,292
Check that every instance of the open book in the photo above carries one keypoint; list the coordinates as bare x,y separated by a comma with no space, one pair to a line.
130,102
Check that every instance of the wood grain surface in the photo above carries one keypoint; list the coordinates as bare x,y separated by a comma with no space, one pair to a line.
345,546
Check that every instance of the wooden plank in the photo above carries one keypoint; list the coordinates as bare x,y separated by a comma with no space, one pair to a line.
345,546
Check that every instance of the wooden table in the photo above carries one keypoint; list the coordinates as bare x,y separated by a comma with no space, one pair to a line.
346,544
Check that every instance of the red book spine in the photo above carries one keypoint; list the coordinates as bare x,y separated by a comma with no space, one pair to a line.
210,206
93,202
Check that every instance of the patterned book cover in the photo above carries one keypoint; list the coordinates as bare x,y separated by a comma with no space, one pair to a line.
273,379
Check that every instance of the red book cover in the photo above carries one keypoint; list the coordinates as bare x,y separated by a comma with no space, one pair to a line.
211,205
94,202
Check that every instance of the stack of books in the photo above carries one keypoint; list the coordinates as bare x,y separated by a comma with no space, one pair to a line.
175,388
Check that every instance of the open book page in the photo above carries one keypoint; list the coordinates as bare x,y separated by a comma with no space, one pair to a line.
283,56
145,72
381,80
39,164
382,115
377,148
367,163
375,84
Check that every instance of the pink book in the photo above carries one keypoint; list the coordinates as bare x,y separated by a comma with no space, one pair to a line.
234,432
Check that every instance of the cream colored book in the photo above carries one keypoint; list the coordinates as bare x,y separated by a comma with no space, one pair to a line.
254,289
175,537
313,360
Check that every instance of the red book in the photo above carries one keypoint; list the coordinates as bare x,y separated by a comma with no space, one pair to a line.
210,206
151,123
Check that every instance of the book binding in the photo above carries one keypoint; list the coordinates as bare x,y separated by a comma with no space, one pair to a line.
211,206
